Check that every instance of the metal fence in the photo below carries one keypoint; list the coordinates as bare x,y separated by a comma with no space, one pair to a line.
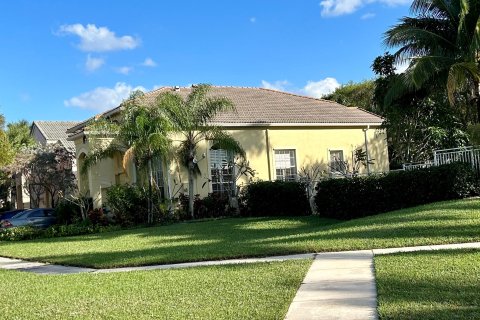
469,155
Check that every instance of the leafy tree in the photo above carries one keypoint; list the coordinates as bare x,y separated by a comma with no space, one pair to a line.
442,45
354,95
416,122
141,136
18,134
6,150
191,118
49,171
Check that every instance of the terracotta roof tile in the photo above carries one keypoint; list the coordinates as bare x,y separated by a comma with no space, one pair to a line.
257,106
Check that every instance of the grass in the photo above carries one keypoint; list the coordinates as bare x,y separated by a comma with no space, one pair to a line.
251,291
429,285
439,223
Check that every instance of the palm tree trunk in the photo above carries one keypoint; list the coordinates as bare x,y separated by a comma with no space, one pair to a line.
150,179
191,173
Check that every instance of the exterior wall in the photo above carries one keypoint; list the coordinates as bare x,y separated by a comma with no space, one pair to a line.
38,136
312,146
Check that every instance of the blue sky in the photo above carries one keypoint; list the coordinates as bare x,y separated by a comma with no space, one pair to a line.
68,60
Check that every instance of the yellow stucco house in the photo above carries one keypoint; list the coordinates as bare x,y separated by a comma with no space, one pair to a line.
280,132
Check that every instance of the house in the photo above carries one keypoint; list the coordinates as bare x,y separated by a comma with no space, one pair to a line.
280,132
44,132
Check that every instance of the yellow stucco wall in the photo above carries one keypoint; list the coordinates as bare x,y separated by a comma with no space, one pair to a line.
312,145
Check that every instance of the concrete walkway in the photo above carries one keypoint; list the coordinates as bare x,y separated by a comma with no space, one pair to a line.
341,285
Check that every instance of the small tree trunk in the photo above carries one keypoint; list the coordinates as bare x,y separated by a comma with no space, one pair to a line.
150,179
477,100
190,187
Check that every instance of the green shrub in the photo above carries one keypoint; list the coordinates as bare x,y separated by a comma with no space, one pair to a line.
129,204
28,232
67,212
358,197
20,233
214,205
277,198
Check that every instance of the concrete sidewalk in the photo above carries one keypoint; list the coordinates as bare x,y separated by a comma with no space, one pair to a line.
46,268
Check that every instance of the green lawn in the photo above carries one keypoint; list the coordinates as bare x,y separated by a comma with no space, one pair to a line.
446,222
429,285
250,291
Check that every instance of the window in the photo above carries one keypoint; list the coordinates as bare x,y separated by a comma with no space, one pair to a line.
285,165
221,171
337,164
157,170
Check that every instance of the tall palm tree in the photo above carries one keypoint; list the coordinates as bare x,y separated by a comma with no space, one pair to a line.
190,118
442,45
140,136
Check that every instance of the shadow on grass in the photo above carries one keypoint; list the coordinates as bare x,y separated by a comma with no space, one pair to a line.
440,223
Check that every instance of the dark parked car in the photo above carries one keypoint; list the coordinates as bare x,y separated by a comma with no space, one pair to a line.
9,214
40,218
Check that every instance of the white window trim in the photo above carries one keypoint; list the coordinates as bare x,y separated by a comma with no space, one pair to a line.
275,164
209,168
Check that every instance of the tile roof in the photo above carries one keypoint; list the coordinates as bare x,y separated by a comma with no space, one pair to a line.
56,131
265,106
259,106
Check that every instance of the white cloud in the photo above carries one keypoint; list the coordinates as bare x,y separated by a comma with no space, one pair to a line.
149,63
318,89
333,8
93,64
124,70
277,85
339,7
368,15
102,98
98,39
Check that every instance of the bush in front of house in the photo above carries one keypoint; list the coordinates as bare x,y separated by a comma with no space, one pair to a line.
362,196
215,205
274,198
129,204
67,212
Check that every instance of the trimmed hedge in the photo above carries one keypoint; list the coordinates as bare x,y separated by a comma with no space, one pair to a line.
358,197
274,198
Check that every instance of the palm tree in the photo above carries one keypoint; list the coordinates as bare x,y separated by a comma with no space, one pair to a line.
190,118
140,136
442,45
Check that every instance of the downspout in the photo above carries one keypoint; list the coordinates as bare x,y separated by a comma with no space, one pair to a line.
267,142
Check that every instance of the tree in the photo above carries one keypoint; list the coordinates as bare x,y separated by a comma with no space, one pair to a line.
49,171
7,152
442,45
191,118
18,134
417,122
354,95
140,135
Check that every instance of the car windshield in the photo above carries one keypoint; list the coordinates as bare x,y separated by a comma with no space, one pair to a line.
20,214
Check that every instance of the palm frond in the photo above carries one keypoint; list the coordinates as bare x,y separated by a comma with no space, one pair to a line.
223,140
457,78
